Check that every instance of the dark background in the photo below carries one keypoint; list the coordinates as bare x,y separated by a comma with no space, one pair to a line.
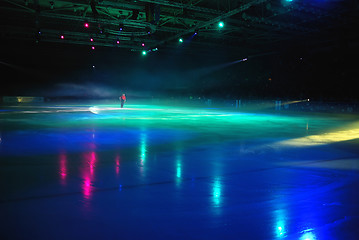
311,53
50,69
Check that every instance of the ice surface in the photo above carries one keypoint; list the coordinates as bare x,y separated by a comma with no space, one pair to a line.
159,172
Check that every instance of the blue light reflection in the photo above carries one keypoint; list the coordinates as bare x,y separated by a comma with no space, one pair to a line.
281,224
217,192
143,152
308,236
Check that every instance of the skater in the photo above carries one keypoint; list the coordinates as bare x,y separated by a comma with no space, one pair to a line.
122,99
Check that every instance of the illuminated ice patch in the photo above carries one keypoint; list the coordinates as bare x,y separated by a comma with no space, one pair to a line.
94,110
308,236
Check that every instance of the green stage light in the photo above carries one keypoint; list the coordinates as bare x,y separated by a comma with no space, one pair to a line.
180,40
221,24
144,53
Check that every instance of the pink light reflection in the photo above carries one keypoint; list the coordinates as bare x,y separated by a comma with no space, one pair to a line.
87,173
117,165
86,187
92,162
63,167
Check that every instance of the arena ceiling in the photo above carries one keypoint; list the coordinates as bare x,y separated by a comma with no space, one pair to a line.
249,25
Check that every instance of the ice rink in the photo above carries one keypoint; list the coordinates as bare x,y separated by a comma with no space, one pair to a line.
158,172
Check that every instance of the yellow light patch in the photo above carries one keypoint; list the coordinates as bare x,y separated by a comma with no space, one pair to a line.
325,138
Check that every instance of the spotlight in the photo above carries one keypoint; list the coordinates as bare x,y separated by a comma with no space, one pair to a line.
62,37
221,24
148,30
86,25
93,47
121,26
91,39
180,40
144,53
142,44
93,110
118,42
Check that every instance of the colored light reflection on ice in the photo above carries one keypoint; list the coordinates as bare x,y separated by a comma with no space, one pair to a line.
308,236
280,224
86,187
325,138
88,170
178,165
280,231
63,167
117,165
178,170
217,189
143,151
143,147
92,161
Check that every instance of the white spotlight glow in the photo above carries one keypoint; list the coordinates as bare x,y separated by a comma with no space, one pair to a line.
94,110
